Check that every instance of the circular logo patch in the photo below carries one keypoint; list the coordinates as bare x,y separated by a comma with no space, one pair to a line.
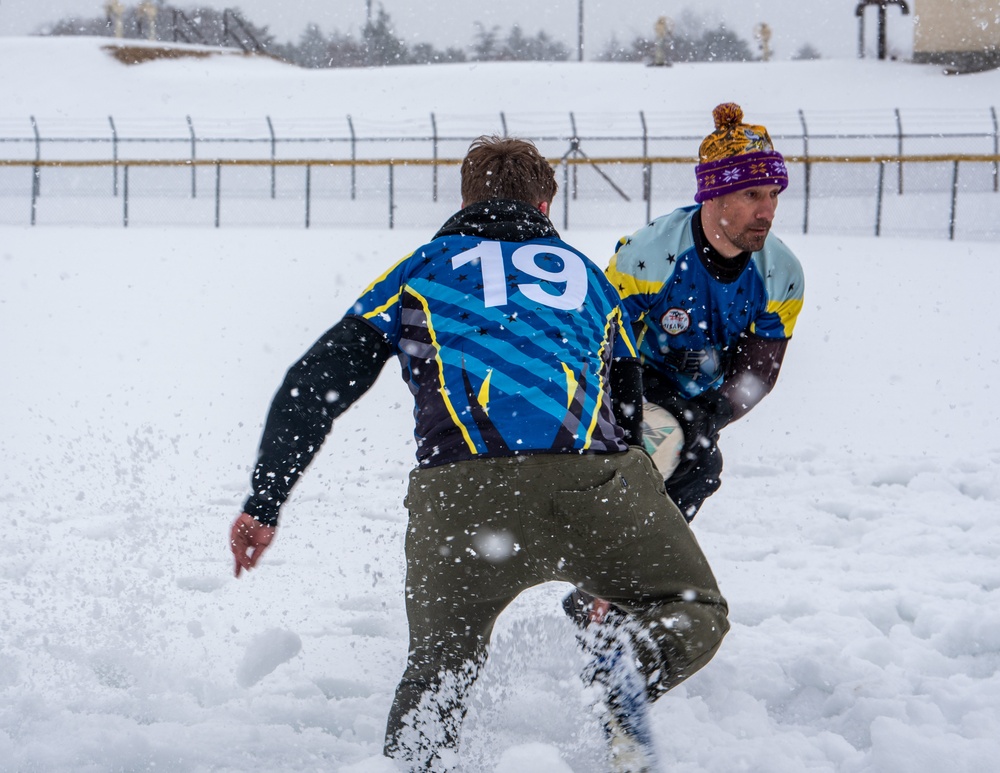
675,321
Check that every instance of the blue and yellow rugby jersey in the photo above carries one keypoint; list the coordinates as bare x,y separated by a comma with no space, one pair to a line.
505,346
688,321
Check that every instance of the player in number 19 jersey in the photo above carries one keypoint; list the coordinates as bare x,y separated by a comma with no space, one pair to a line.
481,327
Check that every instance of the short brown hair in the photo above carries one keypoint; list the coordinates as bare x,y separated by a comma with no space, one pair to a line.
506,168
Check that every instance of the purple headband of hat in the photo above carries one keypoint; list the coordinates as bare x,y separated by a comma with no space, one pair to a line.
747,170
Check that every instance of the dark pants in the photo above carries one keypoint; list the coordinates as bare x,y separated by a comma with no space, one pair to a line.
481,532
696,478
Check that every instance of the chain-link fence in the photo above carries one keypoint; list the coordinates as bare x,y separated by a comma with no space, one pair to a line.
859,174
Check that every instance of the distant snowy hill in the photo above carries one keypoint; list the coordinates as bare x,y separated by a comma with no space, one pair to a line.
78,78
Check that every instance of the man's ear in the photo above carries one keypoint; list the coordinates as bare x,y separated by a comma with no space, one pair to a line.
543,207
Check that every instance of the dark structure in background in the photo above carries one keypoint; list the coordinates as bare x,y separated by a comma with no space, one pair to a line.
882,5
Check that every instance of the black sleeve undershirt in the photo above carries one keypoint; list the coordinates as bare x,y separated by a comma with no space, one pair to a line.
626,398
339,368
760,360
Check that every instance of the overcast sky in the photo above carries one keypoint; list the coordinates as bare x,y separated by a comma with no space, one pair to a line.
830,26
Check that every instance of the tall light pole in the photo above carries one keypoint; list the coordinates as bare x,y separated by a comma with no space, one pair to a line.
579,30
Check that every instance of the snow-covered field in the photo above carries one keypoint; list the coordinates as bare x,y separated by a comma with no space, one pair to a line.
856,536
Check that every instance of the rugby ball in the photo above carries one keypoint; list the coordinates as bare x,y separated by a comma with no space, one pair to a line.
662,437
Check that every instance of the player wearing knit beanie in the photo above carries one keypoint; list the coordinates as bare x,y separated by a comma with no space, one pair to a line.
737,156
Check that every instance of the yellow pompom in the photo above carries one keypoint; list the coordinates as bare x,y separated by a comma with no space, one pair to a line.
727,114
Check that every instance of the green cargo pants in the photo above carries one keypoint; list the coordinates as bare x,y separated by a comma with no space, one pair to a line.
482,531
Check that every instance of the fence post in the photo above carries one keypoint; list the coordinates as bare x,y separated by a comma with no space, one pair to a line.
38,157
308,193
878,198
996,151
34,197
218,191
392,193
194,168
434,153
647,171
954,202
808,171
125,197
354,157
565,166
574,143
503,122
114,155
899,149
36,172
270,128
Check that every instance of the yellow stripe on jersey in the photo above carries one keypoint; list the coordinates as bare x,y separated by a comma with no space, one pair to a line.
788,313
626,339
571,385
483,398
614,316
386,273
628,285
375,312
443,390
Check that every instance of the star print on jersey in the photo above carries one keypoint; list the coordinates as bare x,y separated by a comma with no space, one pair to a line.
689,319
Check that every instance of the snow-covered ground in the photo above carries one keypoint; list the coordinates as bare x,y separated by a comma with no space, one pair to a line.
856,535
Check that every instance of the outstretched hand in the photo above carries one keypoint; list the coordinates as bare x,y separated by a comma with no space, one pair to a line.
249,539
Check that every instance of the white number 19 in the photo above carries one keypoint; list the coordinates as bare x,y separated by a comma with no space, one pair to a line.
490,255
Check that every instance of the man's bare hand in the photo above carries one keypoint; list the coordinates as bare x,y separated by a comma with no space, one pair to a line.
599,609
249,539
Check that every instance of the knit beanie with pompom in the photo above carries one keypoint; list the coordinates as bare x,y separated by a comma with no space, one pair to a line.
736,156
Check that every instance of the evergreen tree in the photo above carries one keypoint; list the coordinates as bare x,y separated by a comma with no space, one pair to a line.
380,44
425,53
638,50
313,49
485,47
693,41
516,47
806,52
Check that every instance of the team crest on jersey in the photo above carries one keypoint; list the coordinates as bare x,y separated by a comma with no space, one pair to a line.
675,321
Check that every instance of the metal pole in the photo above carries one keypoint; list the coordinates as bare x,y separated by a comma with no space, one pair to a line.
218,193
270,128
878,199
574,144
434,153
996,151
565,166
114,155
36,175
354,157
579,31
645,157
194,169
899,150
503,123
125,197
881,32
954,202
392,193
308,193
34,198
808,172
